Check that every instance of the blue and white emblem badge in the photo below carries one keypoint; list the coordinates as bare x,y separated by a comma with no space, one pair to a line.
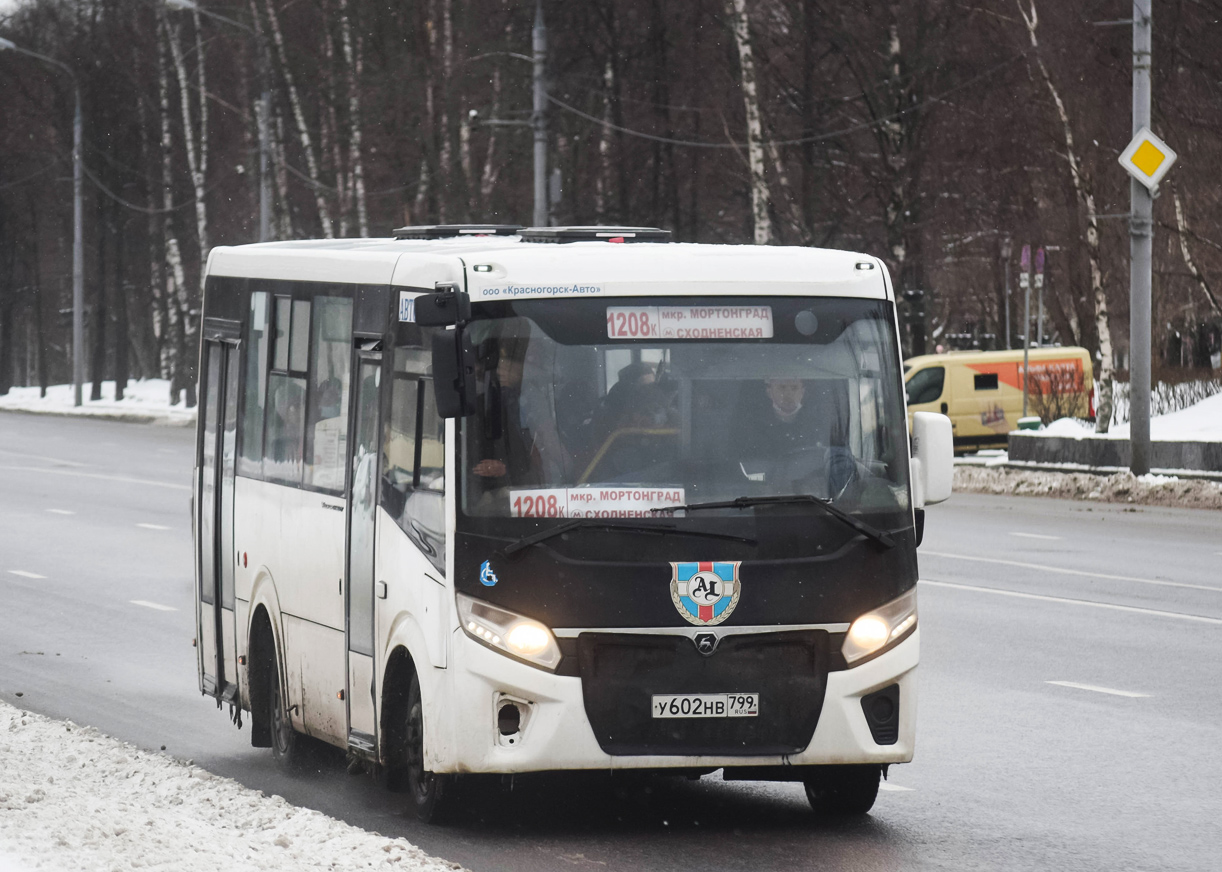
705,593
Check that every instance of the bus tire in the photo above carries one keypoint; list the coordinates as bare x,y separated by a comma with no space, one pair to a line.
843,790
433,795
287,745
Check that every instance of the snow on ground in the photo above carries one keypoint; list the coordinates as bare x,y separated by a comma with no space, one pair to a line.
1198,423
1123,487
146,401
73,799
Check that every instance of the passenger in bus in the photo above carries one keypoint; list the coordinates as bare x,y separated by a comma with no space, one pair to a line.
527,450
643,436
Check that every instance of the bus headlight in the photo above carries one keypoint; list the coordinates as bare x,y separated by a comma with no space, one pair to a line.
880,627
508,632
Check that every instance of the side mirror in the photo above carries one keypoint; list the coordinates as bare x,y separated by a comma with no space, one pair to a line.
447,307
453,374
933,458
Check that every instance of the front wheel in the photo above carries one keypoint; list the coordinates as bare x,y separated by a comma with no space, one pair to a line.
433,795
843,790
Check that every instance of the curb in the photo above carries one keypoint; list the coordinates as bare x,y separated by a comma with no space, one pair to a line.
124,417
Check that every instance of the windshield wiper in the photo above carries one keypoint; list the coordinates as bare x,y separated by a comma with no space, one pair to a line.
593,524
880,536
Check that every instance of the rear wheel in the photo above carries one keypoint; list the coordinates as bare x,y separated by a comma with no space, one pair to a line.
433,795
286,742
843,790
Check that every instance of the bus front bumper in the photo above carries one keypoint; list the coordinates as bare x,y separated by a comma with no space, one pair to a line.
554,732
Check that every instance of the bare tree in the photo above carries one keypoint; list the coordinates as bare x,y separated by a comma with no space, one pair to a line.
1086,197
303,129
760,196
1181,223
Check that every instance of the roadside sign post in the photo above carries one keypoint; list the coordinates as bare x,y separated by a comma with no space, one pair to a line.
1147,160
1024,282
1039,287
1005,259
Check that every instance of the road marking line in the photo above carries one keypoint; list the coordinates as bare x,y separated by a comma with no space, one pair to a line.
60,512
25,574
119,478
884,785
158,606
1077,602
1037,536
154,527
1072,571
1097,689
58,460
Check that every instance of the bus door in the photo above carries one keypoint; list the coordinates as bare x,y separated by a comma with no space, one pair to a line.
363,456
214,613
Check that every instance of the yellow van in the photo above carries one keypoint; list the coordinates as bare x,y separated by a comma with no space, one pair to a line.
982,391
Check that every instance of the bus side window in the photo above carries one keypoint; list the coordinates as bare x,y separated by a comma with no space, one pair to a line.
254,399
414,462
286,393
327,420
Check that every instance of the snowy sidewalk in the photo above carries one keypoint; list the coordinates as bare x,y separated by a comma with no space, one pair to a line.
73,799
146,402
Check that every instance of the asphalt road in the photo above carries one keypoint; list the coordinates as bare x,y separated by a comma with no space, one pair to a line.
1070,714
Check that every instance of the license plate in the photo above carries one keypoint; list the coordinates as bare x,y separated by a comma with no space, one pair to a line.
706,705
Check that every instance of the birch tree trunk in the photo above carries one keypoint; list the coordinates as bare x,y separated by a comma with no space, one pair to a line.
737,12
602,182
329,137
197,152
354,66
488,177
1181,223
150,143
1086,197
446,154
175,280
303,130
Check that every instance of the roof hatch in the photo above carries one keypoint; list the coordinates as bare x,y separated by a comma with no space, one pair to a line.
449,231
595,234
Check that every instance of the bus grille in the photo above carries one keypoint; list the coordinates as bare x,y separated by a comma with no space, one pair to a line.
621,672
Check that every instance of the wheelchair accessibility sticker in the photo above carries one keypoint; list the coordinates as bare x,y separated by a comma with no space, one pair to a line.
486,576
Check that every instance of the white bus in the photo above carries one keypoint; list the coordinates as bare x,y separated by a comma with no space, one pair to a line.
485,499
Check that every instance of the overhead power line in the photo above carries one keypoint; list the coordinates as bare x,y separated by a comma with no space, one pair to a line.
691,143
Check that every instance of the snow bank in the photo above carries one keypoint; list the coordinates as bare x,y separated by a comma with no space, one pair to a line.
147,401
74,799
1199,423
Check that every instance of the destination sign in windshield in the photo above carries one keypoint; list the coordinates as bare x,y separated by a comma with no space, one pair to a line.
689,322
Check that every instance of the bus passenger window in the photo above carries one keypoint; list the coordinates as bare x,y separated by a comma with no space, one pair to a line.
254,399
285,429
327,421
280,358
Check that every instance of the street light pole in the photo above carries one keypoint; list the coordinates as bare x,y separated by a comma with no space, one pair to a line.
78,256
1141,255
262,111
78,223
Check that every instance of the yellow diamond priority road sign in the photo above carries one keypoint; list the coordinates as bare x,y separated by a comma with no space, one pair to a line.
1147,158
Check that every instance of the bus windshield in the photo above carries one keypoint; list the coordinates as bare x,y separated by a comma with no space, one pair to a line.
619,408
